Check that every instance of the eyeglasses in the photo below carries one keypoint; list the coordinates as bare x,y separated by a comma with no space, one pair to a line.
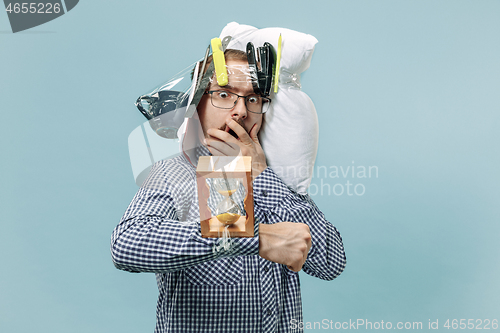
227,100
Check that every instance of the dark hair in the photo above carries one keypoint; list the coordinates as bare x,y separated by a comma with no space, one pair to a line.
229,54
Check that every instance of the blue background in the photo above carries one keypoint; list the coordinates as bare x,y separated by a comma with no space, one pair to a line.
411,87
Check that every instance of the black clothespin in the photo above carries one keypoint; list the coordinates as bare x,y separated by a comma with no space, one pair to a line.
267,62
252,64
261,69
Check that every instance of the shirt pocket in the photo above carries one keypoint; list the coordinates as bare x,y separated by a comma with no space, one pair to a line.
224,271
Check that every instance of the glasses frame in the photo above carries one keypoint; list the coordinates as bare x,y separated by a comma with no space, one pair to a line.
266,99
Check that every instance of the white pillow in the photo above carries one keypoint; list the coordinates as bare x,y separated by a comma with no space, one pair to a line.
289,135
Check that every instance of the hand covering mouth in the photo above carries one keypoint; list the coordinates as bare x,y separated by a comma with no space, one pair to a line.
227,129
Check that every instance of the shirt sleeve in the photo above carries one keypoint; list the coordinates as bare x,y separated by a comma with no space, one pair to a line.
150,237
326,258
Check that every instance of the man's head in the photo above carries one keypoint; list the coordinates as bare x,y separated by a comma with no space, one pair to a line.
215,109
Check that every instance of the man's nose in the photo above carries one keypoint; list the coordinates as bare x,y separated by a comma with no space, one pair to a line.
240,109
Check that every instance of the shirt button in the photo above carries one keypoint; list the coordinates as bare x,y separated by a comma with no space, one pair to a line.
266,269
264,193
269,312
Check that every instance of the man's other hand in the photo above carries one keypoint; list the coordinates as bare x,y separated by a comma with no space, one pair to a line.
285,243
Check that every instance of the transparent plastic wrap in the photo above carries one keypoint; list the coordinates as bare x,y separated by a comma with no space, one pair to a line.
165,107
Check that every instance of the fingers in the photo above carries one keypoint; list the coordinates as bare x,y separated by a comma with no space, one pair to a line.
216,152
302,248
221,135
234,145
297,265
240,131
253,133
221,148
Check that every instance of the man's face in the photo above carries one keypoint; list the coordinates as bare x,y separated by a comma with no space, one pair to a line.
212,117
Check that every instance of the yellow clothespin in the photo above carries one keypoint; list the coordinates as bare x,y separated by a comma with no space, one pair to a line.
219,61
278,60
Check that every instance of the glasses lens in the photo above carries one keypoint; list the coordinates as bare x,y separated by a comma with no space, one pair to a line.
254,103
223,99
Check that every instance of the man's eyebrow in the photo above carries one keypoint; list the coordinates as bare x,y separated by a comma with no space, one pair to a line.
230,87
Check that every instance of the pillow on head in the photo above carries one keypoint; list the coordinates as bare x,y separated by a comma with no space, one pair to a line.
289,134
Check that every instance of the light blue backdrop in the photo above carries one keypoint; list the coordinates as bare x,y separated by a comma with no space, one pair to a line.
410,87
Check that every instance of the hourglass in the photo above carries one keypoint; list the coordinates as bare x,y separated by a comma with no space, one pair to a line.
229,181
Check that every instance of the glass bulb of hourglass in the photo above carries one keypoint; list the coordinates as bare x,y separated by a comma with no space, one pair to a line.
227,211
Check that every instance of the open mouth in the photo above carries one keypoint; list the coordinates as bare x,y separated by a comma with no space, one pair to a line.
228,129
232,133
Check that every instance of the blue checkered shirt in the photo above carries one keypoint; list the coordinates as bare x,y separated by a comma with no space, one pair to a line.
204,287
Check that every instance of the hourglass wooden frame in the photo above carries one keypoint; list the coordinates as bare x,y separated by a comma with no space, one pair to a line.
234,167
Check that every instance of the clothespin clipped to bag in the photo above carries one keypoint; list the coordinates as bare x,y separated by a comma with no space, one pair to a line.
219,62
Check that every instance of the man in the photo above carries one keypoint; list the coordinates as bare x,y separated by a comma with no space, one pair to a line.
253,286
